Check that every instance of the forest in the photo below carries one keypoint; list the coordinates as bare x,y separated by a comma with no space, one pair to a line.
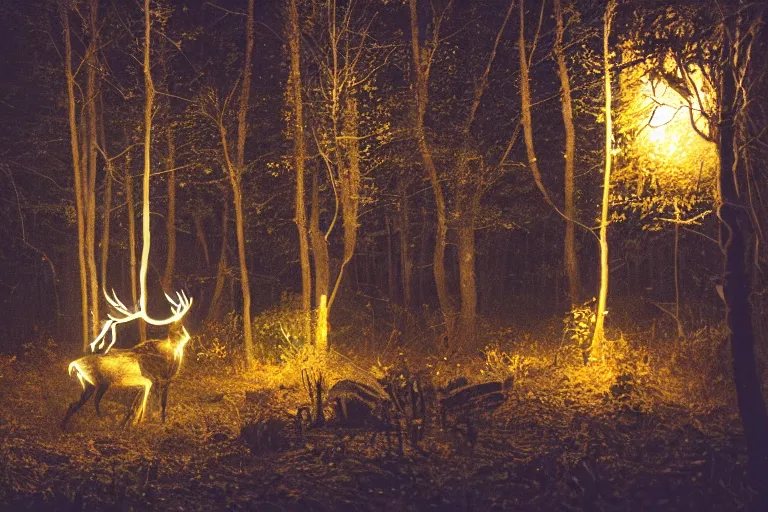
384,255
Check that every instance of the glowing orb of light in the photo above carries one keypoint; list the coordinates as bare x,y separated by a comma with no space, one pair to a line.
666,143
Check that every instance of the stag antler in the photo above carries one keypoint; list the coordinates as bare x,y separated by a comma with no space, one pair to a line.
179,308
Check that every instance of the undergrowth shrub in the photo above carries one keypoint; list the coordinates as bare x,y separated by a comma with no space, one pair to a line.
624,373
282,331
499,365
579,324
702,362
220,344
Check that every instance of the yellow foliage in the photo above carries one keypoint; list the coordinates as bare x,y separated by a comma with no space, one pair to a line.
662,132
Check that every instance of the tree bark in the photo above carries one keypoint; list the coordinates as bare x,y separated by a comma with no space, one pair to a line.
90,229
170,164
245,286
598,335
678,320
349,178
131,209
420,88
406,262
170,220
235,170
197,220
468,191
106,221
467,281
75,146
424,299
319,244
569,249
391,274
149,88
214,310
738,243
239,219
299,154
525,107
105,227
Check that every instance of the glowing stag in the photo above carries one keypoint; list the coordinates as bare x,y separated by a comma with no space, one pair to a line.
151,363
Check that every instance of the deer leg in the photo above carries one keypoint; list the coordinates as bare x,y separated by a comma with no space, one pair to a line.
164,400
88,390
132,409
139,405
99,394
142,410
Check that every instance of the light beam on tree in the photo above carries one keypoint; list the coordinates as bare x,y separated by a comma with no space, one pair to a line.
597,338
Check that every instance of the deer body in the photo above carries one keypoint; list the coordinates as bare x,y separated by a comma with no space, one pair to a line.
152,363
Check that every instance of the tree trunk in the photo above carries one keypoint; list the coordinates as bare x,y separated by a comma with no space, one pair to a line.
235,170
525,107
597,337
170,221
468,192
423,259
299,153
738,243
569,248
680,330
406,263
197,220
75,146
105,228
391,275
468,286
349,178
90,230
319,244
149,88
214,310
131,209
166,282
441,223
321,333
244,281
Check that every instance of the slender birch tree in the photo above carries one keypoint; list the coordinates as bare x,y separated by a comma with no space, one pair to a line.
91,96
598,335
78,178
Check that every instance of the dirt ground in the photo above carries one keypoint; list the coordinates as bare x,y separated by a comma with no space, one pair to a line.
540,450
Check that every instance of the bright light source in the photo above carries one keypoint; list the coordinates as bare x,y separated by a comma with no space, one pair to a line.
663,142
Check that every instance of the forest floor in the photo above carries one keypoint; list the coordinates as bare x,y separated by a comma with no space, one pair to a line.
556,443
